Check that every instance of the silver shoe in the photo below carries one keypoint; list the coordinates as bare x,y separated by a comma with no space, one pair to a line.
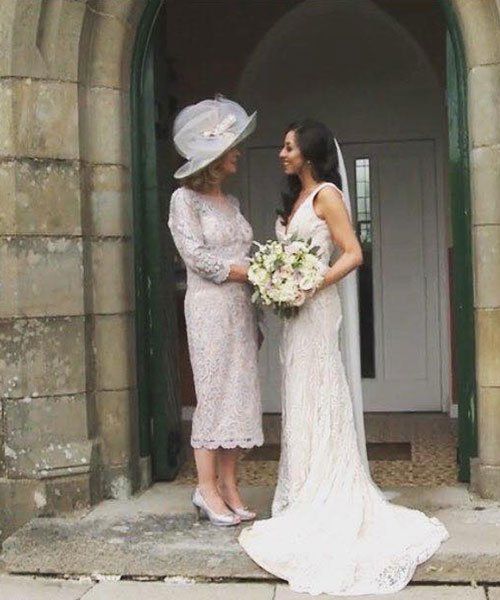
203,510
243,513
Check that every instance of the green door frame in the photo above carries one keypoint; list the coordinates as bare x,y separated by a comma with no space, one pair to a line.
142,43
463,307
156,336
462,293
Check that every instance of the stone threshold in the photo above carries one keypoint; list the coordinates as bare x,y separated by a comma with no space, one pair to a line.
155,536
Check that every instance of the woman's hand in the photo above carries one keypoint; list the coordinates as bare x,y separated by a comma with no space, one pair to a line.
238,273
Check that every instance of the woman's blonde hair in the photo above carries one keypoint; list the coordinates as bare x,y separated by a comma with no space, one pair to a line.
207,178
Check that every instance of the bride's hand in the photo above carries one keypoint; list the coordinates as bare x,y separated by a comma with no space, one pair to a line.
238,273
324,282
322,285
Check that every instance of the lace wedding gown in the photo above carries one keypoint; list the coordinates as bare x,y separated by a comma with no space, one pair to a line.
332,531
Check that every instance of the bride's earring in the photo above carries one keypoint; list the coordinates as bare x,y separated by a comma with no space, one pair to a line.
311,168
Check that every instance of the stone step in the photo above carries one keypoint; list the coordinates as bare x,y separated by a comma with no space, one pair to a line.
155,535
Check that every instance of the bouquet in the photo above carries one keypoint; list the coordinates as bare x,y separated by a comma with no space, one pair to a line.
284,274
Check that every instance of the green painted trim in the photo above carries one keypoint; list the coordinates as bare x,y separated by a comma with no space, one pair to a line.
142,43
463,295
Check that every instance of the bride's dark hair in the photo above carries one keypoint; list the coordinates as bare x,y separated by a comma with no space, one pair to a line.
317,145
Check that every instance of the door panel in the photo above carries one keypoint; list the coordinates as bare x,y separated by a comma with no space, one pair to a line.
405,275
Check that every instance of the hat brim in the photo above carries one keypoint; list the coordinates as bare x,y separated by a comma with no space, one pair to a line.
194,165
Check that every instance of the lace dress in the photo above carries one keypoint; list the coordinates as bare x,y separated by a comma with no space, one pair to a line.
220,319
332,531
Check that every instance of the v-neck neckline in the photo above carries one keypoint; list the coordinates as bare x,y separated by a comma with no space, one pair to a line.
292,216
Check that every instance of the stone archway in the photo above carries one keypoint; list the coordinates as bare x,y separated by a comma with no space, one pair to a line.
69,406
482,53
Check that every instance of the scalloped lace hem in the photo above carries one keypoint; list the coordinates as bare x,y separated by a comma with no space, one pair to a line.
227,444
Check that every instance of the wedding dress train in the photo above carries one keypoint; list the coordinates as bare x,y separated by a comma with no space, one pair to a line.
332,531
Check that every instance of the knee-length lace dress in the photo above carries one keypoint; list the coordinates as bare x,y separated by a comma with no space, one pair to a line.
220,320
332,531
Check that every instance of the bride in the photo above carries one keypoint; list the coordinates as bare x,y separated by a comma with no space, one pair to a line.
332,530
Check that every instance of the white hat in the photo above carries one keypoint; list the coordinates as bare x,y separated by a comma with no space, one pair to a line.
204,131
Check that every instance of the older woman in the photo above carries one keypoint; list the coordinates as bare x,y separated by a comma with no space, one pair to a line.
213,238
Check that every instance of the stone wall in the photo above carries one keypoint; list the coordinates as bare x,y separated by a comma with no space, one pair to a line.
66,258
480,22
67,374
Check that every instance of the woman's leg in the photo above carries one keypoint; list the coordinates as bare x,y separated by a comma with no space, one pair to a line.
206,465
228,482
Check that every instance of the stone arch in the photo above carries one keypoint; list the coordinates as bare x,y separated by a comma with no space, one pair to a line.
318,61
480,24
105,56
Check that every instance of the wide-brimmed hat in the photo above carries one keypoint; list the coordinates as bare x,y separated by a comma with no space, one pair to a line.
204,131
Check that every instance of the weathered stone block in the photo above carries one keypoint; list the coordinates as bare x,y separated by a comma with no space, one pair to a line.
40,197
7,19
42,357
39,119
45,39
110,50
38,426
114,348
121,9
54,460
488,347
484,105
112,276
485,480
65,494
113,412
117,482
105,135
41,276
487,266
7,143
489,425
109,200
20,501
45,420
486,184
480,26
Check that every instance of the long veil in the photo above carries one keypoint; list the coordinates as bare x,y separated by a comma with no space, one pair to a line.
350,346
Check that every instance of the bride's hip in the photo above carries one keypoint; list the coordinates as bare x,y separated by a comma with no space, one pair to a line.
324,305
315,328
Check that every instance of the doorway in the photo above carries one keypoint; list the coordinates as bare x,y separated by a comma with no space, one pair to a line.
200,72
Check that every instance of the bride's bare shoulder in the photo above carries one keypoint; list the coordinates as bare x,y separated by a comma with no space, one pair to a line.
329,198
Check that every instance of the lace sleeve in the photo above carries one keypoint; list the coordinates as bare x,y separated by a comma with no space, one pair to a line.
184,224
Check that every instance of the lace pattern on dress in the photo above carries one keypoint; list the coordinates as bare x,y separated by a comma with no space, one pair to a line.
220,321
331,531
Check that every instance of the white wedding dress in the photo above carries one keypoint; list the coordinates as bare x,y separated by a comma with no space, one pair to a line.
332,531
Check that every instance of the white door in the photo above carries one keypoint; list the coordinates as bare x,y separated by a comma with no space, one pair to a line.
394,187
400,337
